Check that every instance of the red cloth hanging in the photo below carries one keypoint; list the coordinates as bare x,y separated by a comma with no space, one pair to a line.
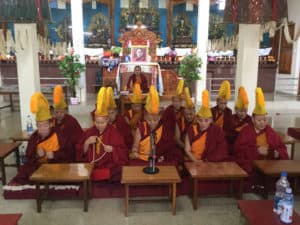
274,10
234,10
38,9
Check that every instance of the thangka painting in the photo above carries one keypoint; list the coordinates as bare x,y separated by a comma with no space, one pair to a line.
98,32
182,30
149,16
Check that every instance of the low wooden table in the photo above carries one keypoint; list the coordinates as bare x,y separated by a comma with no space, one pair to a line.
134,175
21,136
289,140
260,212
9,219
214,171
10,94
62,173
273,168
5,150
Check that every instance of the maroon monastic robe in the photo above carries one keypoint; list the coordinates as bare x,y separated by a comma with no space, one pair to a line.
130,115
227,116
63,155
236,126
124,129
144,83
245,148
170,116
165,146
70,129
215,145
110,165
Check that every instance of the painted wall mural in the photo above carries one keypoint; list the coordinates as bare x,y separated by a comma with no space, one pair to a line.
148,16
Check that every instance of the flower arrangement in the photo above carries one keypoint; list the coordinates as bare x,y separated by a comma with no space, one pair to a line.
70,68
189,69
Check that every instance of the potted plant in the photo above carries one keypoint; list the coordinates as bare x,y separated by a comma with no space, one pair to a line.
189,69
70,68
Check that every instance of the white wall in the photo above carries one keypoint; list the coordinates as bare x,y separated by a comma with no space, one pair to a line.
290,81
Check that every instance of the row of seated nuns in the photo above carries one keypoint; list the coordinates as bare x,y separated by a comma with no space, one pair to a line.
181,134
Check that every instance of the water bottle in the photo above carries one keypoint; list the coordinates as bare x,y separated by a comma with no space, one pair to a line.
22,155
281,185
286,206
29,126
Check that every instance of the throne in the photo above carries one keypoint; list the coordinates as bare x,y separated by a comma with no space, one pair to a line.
140,40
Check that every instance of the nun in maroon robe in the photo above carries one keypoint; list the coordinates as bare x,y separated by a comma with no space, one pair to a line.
32,160
165,147
246,149
66,124
107,165
258,140
102,145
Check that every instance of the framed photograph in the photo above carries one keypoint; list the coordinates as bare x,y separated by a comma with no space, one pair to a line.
139,53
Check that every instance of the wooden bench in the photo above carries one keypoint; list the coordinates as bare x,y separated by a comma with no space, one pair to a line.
47,90
5,150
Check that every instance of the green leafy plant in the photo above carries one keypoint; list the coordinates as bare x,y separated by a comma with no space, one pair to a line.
70,68
189,69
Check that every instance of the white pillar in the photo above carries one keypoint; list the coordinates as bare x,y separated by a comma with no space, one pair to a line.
78,42
27,66
202,39
247,61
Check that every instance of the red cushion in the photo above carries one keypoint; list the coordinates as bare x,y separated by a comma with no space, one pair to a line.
100,174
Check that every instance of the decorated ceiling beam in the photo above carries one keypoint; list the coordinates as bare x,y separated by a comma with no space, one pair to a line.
24,11
255,11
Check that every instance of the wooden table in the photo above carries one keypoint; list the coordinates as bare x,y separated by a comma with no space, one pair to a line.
214,171
5,150
289,140
62,173
9,219
260,212
273,168
10,94
21,136
134,175
10,90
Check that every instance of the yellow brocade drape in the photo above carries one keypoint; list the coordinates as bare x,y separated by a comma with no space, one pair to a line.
261,140
144,145
198,146
220,121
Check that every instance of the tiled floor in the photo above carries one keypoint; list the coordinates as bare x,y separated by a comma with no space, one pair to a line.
211,211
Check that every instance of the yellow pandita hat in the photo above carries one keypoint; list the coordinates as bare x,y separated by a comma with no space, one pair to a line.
179,90
260,108
152,101
224,91
101,109
205,111
40,107
188,100
110,99
137,96
242,99
59,98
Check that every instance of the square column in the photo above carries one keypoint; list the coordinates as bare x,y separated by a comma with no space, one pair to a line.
27,66
247,61
202,40
78,42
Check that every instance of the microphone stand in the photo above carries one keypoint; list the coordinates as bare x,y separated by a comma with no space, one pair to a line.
152,169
